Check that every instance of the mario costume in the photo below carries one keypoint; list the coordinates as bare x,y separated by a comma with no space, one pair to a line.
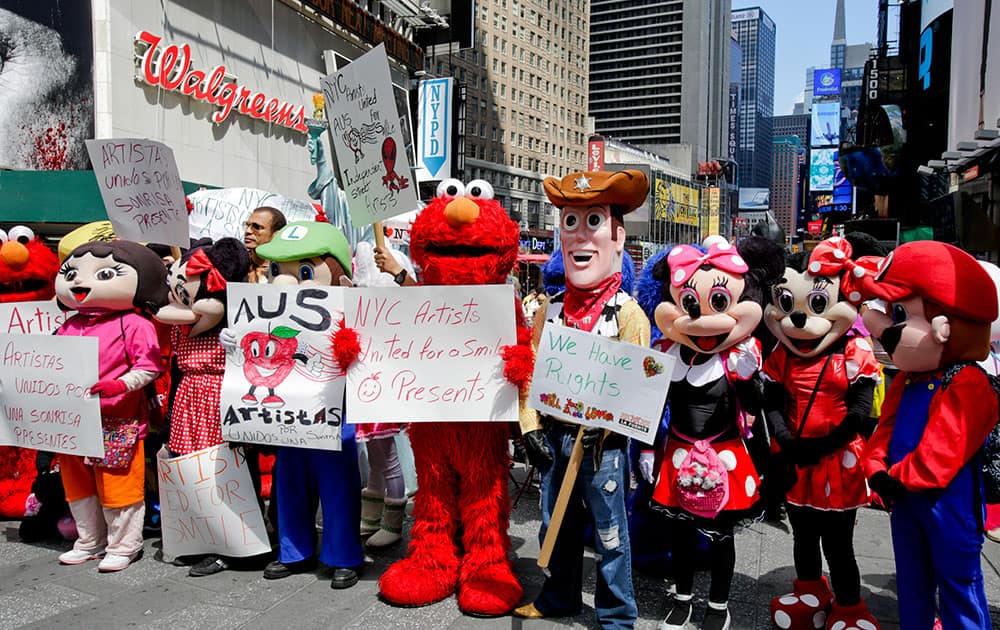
315,253
592,240
923,457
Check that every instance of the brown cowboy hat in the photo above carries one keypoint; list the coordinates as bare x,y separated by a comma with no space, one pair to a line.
624,190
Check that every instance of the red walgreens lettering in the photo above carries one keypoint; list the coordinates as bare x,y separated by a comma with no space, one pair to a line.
169,67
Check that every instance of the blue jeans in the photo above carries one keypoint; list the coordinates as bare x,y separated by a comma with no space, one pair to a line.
602,492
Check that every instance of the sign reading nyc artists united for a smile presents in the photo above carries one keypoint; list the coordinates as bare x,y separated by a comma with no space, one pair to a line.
282,385
600,382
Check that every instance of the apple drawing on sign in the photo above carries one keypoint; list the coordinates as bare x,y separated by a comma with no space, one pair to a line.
269,358
369,389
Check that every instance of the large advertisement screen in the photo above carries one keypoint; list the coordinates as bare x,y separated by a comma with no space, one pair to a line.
825,124
826,82
755,199
821,169
46,84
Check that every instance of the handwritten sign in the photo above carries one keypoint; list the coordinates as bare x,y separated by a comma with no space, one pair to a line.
222,212
43,401
30,318
141,189
282,385
366,137
208,504
600,382
431,354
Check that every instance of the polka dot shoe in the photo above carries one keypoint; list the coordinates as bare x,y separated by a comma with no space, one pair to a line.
854,617
805,608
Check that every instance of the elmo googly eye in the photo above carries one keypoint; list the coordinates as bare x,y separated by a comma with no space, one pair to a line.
450,188
22,234
479,189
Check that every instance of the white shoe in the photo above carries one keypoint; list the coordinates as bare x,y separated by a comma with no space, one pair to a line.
994,534
114,562
79,556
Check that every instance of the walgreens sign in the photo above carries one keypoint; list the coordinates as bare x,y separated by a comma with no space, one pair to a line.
169,67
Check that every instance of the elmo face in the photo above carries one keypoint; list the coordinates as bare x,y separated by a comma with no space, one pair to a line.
269,357
805,313
464,236
27,267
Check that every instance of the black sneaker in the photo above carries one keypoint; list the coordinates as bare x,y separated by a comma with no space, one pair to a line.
209,566
716,619
344,578
277,570
678,617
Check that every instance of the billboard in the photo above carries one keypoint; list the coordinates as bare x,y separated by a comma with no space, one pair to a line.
434,138
674,202
826,82
755,199
825,124
595,153
821,166
841,198
734,121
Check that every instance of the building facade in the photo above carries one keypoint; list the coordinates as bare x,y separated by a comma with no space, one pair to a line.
786,155
659,75
756,32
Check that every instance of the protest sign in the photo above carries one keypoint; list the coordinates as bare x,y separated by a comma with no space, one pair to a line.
208,504
43,382
600,382
367,139
282,385
141,189
30,318
221,212
431,354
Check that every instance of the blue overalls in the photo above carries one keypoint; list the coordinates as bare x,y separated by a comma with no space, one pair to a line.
936,534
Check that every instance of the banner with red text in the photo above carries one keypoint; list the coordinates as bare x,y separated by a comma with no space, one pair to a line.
208,504
31,318
141,189
43,401
431,354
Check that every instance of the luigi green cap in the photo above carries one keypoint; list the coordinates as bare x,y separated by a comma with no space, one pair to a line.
308,239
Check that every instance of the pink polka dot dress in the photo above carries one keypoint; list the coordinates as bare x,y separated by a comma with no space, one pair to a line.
194,418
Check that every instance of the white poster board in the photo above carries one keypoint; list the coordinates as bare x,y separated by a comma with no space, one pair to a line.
31,318
141,189
43,401
221,212
208,504
282,385
600,382
431,354
367,140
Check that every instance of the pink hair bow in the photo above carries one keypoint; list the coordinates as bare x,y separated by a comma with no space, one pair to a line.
832,257
685,260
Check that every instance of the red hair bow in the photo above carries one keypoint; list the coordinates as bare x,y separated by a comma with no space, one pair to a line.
832,257
685,260
199,263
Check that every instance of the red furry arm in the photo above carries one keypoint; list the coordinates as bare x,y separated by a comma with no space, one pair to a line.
345,343
519,359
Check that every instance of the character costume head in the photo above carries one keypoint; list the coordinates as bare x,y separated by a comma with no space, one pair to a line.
198,284
114,276
27,266
307,253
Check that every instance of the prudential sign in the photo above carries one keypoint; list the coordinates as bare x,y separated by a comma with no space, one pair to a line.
434,138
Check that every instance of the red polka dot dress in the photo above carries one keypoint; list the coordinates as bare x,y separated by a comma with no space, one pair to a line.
194,418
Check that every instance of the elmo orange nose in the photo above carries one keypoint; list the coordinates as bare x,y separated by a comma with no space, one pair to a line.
461,211
15,254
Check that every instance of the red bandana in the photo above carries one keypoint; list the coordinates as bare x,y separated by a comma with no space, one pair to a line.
582,307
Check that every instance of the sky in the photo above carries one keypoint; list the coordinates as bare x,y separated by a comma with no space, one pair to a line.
805,30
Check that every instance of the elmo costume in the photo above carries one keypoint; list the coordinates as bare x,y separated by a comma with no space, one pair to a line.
27,273
462,237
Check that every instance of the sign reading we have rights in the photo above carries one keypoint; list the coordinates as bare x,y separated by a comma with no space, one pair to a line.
141,189
282,385
208,504
431,354
600,382
43,401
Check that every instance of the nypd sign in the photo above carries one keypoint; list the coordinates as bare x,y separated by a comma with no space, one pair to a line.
434,138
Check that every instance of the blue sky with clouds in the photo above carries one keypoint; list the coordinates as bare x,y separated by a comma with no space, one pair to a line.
805,30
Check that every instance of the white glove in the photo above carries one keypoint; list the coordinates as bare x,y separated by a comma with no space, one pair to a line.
314,365
227,337
646,465
743,360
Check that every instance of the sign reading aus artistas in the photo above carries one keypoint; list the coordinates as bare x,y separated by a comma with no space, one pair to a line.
367,139
208,504
141,190
599,382
44,403
431,354
282,385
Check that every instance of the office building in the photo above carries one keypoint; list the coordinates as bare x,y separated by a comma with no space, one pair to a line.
786,155
755,31
849,59
659,76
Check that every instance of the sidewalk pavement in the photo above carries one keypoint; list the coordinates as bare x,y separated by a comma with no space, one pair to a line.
36,592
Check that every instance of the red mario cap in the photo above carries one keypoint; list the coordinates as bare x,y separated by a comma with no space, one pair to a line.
940,273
